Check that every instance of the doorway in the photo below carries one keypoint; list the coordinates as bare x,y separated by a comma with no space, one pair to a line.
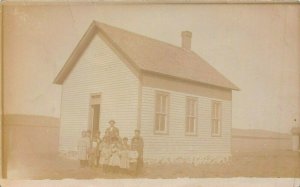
95,108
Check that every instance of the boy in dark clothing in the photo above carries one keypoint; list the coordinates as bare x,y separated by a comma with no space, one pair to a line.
137,144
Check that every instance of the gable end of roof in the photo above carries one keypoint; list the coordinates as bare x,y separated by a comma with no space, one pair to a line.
141,53
76,53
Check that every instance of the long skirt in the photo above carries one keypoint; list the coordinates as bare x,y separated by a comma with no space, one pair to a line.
114,160
124,159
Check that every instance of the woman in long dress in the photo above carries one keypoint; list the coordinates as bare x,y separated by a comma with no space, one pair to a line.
83,148
114,161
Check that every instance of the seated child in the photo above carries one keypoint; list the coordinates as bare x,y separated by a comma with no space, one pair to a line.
114,161
105,154
124,162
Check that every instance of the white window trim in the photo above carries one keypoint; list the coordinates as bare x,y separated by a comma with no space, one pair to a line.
187,116
219,133
166,131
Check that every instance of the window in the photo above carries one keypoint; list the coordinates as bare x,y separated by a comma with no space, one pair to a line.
216,118
161,112
191,116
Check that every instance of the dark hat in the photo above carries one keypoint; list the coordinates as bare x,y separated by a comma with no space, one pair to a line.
112,121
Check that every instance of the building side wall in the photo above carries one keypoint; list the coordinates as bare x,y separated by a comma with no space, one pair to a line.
177,145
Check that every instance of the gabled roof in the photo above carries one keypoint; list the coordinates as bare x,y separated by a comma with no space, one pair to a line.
151,55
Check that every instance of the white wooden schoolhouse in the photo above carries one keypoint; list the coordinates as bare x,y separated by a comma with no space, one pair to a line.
180,103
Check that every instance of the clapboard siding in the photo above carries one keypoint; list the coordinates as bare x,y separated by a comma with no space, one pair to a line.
99,69
176,143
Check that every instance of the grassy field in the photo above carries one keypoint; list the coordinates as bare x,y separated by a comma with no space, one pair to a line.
260,164
33,151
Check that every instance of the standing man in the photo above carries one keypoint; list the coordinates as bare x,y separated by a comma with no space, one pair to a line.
137,144
112,131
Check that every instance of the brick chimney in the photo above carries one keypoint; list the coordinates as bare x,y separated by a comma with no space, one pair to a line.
186,40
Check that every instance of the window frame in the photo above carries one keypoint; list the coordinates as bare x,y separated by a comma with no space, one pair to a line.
167,114
219,118
187,116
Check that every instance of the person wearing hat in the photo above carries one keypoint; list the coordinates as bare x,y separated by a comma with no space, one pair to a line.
137,144
112,131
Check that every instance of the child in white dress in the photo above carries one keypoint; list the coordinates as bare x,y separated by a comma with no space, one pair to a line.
105,154
114,161
124,163
133,157
94,152
83,148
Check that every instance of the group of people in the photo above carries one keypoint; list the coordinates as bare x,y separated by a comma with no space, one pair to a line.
111,153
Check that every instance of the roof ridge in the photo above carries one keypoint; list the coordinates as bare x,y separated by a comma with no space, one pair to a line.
143,36
192,54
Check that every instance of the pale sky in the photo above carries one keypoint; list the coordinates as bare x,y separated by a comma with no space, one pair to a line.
254,46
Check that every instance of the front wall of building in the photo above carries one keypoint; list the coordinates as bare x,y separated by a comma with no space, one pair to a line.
99,70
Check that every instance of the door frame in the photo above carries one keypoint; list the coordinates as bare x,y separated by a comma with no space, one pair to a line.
94,99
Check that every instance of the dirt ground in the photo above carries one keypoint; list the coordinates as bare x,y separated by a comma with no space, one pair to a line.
255,164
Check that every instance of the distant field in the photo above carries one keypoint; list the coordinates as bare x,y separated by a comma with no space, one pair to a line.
259,141
33,144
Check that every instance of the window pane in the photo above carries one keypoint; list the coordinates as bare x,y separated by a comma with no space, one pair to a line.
161,111
163,123
218,111
193,108
189,125
157,122
157,104
163,104
214,110
186,124
192,125
191,114
214,126
188,109
218,127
